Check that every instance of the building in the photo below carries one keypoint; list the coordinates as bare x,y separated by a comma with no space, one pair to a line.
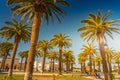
48,66
7,63
37,65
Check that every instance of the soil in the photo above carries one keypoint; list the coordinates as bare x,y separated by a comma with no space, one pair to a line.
43,78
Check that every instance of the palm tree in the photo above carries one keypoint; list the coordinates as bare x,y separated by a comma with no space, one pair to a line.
36,10
26,57
89,50
44,46
95,28
23,54
94,60
5,48
61,40
98,59
52,56
71,61
20,32
67,54
109,56
81,59
117,60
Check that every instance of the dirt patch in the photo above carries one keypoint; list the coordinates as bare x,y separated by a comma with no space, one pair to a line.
43,78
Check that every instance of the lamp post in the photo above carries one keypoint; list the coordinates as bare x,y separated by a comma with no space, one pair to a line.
105,45
106,48
108,58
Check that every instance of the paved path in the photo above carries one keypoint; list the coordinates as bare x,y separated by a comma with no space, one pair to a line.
92,77
48,74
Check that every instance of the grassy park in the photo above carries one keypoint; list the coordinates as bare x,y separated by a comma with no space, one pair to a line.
21,77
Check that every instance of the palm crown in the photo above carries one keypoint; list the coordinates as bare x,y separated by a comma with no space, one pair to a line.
61,40
96,28
48,8
44,45
95,25
89,49
5,47
16,29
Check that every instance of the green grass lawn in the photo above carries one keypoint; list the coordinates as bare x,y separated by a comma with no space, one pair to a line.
72,78
15,77
21,77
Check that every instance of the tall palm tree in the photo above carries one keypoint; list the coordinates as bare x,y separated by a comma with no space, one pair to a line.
52,56
5,48
95,28
61,40
67,54
20,32
44,46
89,50
36,10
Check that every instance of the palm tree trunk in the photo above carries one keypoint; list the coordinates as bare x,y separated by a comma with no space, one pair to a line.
13,56
81,67
90,59
109,65
72,67
60,60
84,67
102,52
67,65
21,63
5,59
110,69
43,60
94,65
25,63
1,67
99,66
53,65
34,39
62,63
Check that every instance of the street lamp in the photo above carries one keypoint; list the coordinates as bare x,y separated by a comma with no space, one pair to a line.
108,57
106,46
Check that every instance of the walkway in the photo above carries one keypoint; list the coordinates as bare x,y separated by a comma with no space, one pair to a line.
117,76
48,74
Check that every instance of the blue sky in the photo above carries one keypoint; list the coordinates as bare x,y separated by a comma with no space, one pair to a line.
78,10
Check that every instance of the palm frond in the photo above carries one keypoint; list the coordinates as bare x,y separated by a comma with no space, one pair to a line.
107,14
